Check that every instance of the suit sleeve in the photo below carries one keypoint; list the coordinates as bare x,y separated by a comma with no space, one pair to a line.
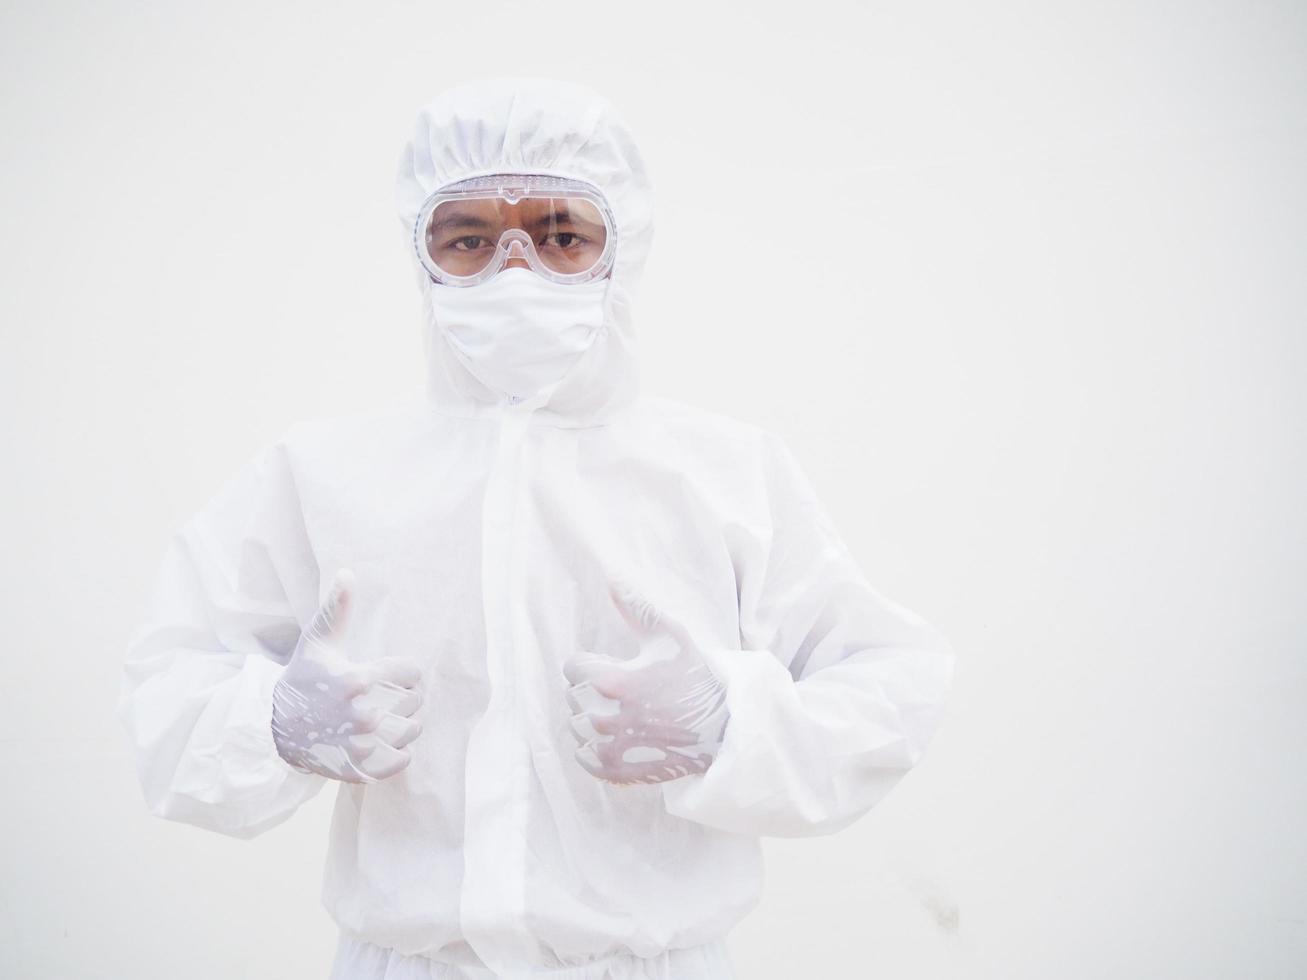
236,583
836,692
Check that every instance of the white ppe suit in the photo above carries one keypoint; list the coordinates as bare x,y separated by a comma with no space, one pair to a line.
482,533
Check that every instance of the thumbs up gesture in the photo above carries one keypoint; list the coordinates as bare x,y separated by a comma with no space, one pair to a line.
340,719
658,716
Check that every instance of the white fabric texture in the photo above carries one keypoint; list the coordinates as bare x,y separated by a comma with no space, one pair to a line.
358,958
482,534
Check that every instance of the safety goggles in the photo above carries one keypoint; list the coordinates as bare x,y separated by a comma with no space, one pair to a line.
562,228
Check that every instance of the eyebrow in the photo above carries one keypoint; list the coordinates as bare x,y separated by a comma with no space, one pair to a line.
459,221
561,217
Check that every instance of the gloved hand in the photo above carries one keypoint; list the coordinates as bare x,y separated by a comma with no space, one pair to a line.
658,716
341,719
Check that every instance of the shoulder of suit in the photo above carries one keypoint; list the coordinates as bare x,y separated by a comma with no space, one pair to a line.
347,433
691,422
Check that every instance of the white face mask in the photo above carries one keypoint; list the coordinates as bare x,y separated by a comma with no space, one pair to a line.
518,332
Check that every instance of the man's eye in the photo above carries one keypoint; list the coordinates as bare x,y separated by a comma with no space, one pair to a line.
564,239
468,243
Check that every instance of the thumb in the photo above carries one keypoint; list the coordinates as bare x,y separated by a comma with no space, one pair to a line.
642,615
329,621
404,672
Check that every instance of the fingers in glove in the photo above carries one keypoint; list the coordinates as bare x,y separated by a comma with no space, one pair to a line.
662,772
642,615
641,769
365,719
398,731
599,760
348,684
623,760
402,672
586,699
401,701
587,726
337,762
660,735
385,762
604,674
406,700
588,756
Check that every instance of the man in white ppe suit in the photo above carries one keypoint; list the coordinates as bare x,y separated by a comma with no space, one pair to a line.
566,650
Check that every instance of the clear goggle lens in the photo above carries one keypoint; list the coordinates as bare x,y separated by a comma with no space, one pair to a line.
471,230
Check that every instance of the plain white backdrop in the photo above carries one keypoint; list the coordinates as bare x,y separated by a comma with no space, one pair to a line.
1022,284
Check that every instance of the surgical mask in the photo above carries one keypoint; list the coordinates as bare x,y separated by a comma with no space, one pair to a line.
518,332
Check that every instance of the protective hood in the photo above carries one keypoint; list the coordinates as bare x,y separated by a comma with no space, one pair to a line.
526,125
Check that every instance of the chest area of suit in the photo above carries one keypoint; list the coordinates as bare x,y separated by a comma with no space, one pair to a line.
534,529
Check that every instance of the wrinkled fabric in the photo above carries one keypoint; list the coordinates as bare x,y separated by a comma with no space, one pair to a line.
482,535
359,958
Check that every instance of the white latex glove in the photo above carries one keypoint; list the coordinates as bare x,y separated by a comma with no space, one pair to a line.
341,719
658,716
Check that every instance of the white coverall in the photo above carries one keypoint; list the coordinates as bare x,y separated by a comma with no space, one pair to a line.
482,535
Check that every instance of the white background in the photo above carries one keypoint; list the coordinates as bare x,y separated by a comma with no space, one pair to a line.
1021,284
